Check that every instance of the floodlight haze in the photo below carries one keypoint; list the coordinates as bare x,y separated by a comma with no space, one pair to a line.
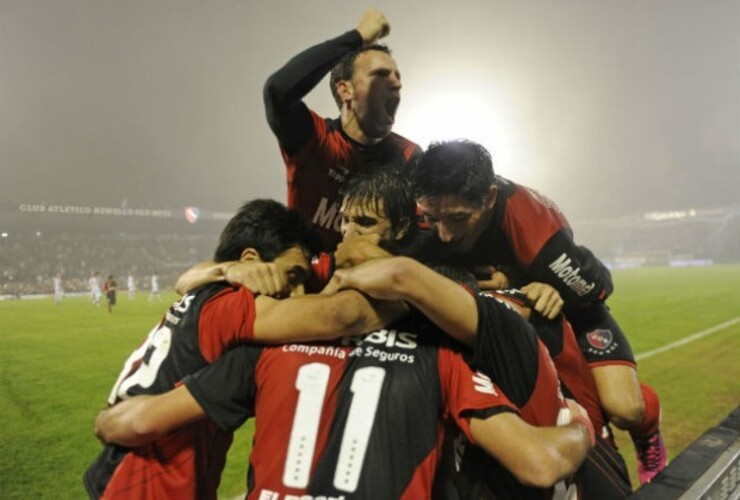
609,108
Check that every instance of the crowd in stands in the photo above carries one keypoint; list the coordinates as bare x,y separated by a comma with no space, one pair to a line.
28,264
707,235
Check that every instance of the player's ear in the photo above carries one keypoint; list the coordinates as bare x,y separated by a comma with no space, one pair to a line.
250,255
346,91
491,197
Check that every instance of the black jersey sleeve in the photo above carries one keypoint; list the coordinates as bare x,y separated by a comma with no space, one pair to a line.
580,277
506,349
226,389
287,114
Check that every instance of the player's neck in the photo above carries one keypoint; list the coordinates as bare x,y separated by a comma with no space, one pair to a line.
351,127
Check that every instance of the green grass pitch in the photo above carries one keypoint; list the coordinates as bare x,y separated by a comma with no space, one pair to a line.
59,362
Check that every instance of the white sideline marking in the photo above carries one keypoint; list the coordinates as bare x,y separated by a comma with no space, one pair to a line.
686,340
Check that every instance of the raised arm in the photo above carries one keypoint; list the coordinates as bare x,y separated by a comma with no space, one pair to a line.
287,115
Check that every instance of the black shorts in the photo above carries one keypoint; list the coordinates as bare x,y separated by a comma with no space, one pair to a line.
111,296
599,336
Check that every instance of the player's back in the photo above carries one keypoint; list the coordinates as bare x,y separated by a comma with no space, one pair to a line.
188,462
379,383
507,350
357,419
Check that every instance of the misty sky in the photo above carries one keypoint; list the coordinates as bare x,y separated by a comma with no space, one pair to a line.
609,107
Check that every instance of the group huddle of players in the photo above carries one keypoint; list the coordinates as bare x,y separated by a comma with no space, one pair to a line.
460,346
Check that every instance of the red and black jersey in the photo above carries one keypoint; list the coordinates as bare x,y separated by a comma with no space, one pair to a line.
187,463
530,237
505,350
573,369
359,418
508,351
316,172
318,155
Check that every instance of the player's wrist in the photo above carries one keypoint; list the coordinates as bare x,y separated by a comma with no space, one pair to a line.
225,267
585,422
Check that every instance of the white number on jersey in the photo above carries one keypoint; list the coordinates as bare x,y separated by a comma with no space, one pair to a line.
149,357
311,382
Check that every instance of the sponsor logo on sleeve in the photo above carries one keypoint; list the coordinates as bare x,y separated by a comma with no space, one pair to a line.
570,275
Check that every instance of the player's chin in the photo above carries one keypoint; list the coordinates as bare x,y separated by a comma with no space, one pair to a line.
378,129
458,246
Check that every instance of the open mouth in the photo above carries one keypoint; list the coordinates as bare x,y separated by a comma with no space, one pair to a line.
391,105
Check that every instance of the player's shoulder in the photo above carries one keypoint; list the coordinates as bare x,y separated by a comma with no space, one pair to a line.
403,142
519,194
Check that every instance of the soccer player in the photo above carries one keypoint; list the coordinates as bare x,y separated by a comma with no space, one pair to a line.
488,220
58,288
379,203
131,285
375,202
109,287
320,153
355,419
94,285
508,350
604,473
198,329
154,292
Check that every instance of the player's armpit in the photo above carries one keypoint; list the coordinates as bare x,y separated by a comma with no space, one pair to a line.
321,317
142,419
537,456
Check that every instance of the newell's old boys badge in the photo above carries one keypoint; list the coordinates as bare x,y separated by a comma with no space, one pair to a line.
601,341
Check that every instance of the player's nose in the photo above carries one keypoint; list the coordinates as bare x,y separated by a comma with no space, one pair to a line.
444,233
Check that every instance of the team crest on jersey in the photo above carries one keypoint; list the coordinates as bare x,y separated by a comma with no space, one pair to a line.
601,341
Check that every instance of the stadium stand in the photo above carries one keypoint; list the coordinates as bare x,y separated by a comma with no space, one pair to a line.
708,469
28,263
680,237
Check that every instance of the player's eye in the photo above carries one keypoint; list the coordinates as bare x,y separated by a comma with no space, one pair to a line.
296,276
366,221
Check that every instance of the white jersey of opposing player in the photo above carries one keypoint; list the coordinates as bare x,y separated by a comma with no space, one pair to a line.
95,292
131,284
58,289
155,283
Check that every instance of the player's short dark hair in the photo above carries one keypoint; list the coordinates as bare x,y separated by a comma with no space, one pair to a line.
458,167
346,67
385,184
267,226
